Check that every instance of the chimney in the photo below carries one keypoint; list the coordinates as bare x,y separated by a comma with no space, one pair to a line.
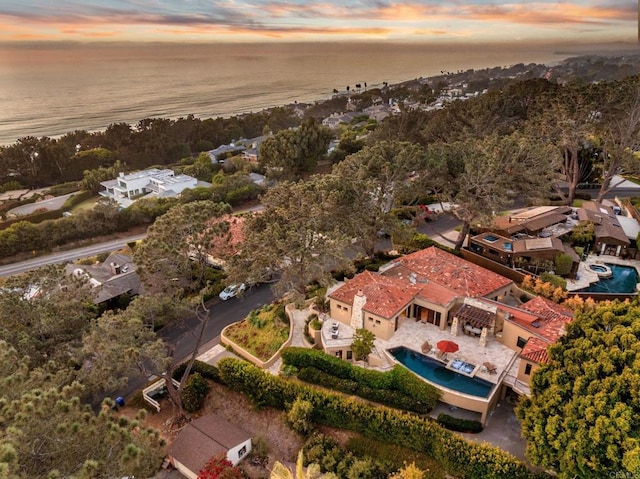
121,174
115,268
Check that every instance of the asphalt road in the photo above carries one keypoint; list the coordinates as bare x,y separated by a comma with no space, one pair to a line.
49,205
184,335
65,256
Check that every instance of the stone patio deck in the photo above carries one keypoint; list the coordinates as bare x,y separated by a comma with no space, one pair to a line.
412,334
586,277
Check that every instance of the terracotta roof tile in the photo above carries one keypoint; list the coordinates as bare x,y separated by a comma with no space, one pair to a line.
535,350
450,271
386,296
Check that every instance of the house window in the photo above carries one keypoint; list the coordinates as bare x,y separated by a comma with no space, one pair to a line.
377,321
527,369
349,355
242,451
339,354
521,342
370,319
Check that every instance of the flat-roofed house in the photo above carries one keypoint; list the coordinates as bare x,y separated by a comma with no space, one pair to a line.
530,221
125,189
522,253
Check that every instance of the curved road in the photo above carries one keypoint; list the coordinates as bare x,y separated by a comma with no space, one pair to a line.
50,204
65,256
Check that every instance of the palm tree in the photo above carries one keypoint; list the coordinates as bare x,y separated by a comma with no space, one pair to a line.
280,471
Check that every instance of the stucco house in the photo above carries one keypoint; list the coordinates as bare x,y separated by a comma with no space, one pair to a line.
204,438
426,286
153,182
437,295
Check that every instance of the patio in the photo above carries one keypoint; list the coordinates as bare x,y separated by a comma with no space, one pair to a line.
412,334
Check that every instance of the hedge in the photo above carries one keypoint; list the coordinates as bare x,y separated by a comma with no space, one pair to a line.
398,379
388,397
458,456
32,218
458,424
76,199
205,370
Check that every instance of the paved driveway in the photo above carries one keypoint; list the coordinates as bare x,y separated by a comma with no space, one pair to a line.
52,204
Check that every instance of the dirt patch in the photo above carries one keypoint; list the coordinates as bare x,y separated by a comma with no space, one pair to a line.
267,425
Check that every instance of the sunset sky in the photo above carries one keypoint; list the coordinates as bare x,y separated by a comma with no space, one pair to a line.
300,20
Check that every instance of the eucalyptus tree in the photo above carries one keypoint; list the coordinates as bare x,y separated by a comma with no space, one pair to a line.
172,261
295,239
566,119
617,129
483,176
581,419
369,184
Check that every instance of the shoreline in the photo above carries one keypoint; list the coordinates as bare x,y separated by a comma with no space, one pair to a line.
251,95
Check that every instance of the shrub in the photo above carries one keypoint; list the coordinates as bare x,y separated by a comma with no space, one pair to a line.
76,199
194,393
205,370
563,264
398,388
300,417
458,456
460,425
64,188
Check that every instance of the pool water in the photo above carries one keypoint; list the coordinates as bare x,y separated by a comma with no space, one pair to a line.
597,268
624,280
435,372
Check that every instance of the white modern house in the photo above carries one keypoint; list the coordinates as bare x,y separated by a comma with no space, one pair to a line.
152,182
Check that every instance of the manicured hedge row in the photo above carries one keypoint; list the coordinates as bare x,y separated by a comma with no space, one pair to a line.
205,370
398,379
458,456
32,218
76,199
457,424
388,397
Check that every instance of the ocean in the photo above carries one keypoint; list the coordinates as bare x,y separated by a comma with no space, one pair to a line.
50,90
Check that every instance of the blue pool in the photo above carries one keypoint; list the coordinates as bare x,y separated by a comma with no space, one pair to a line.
624,280
435,372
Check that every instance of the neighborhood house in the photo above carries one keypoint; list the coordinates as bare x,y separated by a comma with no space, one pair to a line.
204,438
154,182
429,297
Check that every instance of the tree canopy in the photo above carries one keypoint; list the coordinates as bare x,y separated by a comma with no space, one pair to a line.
583,416
291,153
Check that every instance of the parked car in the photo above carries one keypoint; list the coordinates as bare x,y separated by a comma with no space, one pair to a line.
232,290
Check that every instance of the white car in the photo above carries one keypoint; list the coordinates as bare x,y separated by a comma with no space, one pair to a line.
232,290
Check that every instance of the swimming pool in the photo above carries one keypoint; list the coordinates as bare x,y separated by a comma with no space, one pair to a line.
436,372
623,280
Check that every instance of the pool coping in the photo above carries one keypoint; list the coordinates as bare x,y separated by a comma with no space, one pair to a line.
494,387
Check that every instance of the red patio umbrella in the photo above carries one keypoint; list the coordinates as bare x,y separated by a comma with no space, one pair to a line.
447,346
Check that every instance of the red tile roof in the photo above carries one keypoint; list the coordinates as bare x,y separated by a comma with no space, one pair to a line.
553,317
450,271
536,351
436,293
386,297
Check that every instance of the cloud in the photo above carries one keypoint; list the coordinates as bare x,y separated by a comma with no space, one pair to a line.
299,18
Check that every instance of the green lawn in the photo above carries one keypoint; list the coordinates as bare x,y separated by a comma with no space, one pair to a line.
86,204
